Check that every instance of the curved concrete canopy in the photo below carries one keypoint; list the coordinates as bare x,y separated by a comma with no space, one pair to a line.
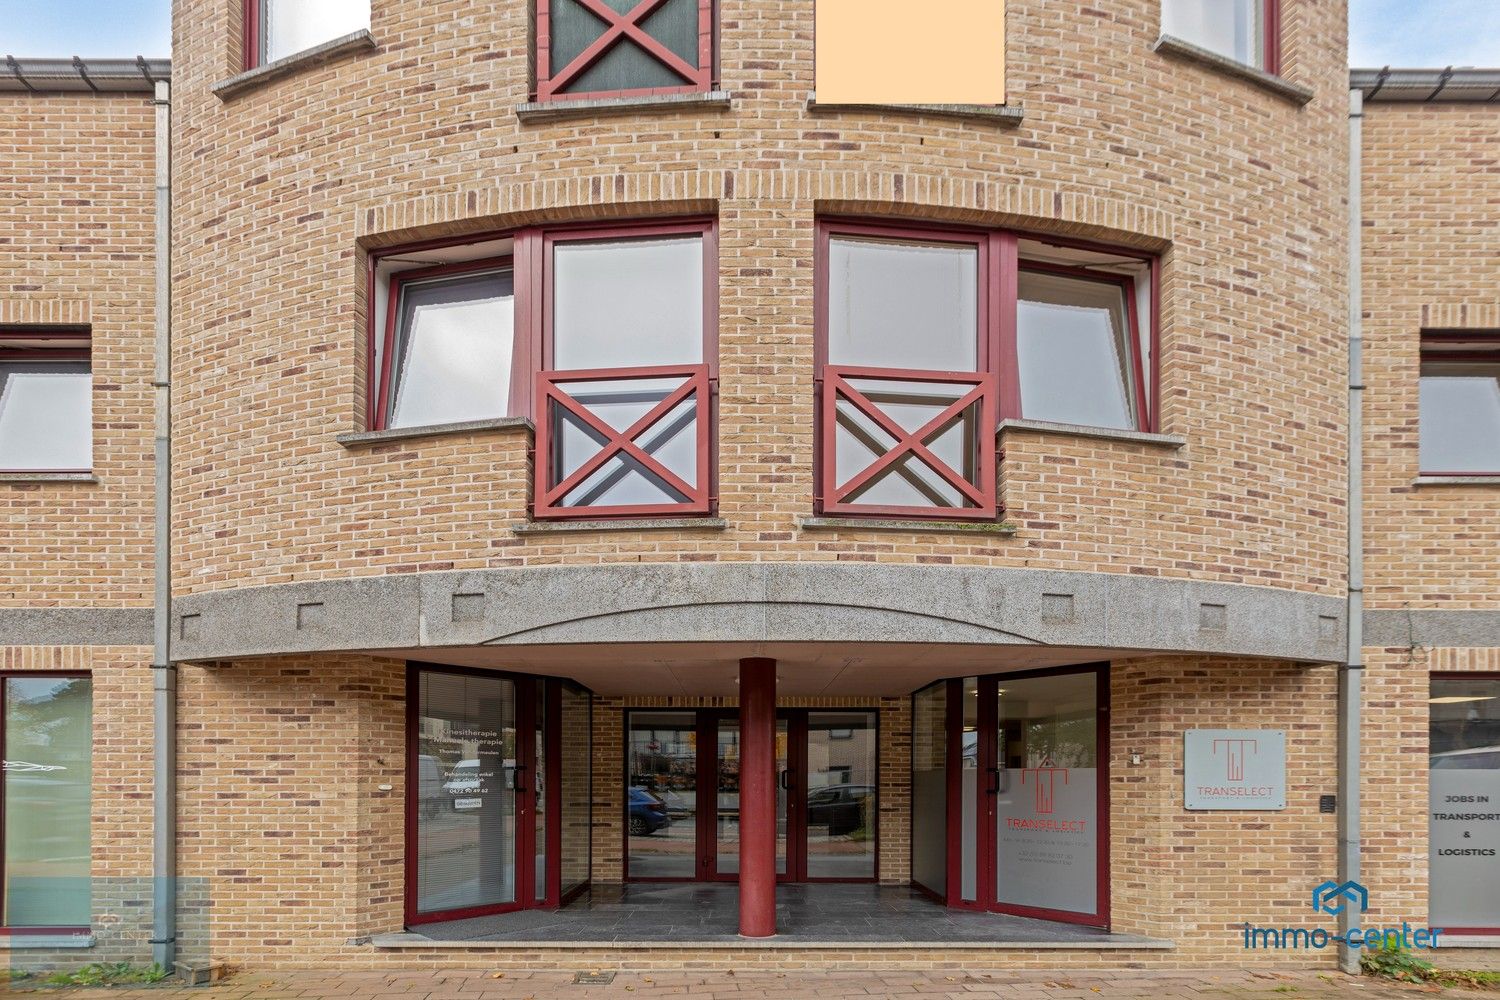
761,604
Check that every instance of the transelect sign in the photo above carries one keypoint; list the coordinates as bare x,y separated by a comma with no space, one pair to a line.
1234,769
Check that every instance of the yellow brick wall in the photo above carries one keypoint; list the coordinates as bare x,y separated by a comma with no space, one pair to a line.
77,248
280,189
284,817
1431,258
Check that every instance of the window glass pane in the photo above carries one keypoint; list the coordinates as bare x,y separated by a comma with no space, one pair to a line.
1460,416
1231,28
1464,782
908,481
453,348
1047,809
903,305
47,777
466,772
539,790
661,795
293,26
46,416
929,788
624,65
1073,351
622,480
627,304
842,795
577,761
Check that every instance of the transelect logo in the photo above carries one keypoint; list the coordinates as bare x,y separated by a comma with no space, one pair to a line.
1334,898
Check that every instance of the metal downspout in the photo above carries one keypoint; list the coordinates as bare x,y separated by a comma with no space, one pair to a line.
1351,673
163,670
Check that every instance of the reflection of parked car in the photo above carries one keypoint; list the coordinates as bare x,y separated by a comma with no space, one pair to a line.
1477,759
839,808
648,813
432,796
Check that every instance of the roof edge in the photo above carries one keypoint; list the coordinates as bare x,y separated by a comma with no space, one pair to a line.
96,76
1428,86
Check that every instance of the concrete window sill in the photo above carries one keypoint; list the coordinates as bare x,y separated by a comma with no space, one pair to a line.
622,524
1002,529
1456,481
359,41
999,114
45,942
362,439
550,111
1172,441
48,477
1280,86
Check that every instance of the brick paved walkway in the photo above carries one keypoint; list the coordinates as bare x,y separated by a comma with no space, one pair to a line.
813,986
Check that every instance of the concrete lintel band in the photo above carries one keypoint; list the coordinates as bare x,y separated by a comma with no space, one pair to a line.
75,626
1431,627
765,602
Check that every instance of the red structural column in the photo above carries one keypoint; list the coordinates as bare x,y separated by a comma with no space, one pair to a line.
757,797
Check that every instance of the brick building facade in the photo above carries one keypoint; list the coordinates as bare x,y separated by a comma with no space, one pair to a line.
582,503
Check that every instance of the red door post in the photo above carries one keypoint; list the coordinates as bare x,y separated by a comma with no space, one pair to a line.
757,797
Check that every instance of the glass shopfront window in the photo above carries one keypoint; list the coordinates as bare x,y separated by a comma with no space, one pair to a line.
1464,802
48,740
498,796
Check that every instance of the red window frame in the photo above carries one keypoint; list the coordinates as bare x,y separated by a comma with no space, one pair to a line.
74,343
59,929
1270,16
700,380
1488,352
622,29
526,688
705,727
984,819
385,379
999,265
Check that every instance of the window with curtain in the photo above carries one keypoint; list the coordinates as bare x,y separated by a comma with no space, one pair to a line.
46,401
45,794
1459,404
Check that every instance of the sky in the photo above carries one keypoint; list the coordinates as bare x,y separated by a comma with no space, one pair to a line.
1418,33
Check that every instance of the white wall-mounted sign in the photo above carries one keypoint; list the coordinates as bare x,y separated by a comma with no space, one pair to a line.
1234,769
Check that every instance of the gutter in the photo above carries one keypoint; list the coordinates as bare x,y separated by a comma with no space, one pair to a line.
1427,86
1351,672
163,670
97,76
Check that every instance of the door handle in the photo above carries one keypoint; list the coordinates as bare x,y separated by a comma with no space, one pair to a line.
517,772
994,788
786,780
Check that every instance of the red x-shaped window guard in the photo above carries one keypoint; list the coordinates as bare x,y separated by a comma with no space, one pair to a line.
975,489
554,488
626,28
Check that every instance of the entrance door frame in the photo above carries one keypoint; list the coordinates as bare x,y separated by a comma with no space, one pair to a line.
985,811
528,688
706,820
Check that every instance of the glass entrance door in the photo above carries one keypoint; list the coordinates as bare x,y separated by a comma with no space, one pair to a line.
683,790
1018,766
485,789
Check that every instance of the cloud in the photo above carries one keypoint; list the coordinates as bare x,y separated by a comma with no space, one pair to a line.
1424,33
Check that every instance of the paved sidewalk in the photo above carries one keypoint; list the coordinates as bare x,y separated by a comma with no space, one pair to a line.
789,986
